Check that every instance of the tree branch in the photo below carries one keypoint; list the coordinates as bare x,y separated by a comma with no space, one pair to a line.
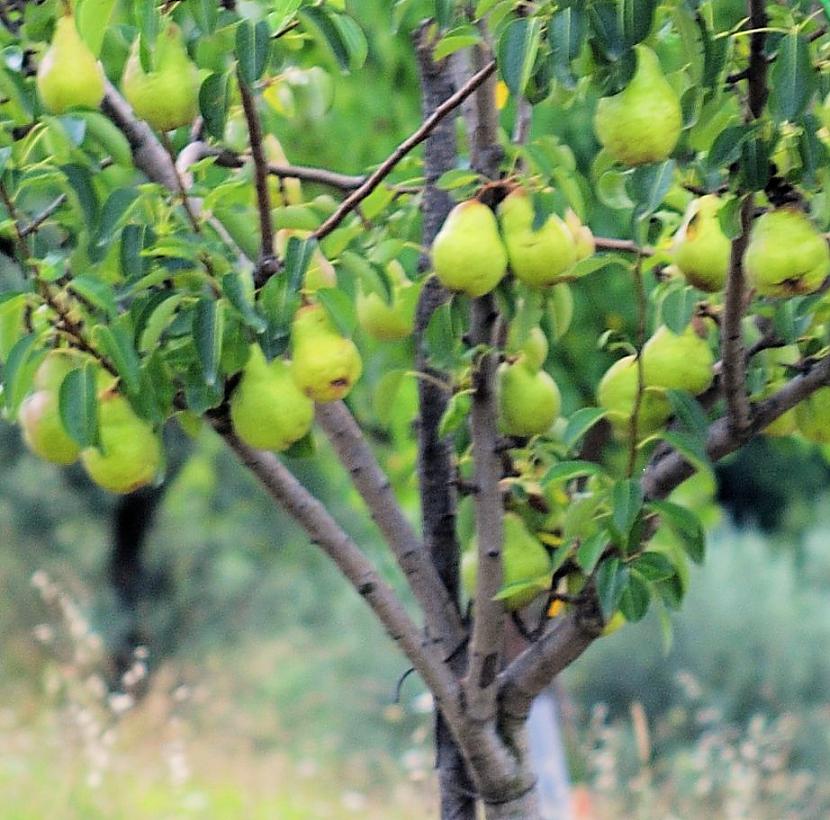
442,618
38,220
310,513
733,357
757,68
412,141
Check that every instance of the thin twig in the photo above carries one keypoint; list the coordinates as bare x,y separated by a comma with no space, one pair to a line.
604,243
415,139
48,211
182,191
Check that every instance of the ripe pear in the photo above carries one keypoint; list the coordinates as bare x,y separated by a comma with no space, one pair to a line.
537,257
167,96
390,322
678,362
325,364
617,392
701,249
529,399
69,76
524,559
268,411
787,255
468,254
642,123
43,430
582,234
320,272
813,416
130,454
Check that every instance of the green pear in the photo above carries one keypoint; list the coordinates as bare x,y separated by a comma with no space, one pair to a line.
524,559
43,430
787,255
583,236
325,364
468,254
69,76
390,322
167,96
56,365
642,123
533,349
537,257
813,416
130,455
701,249
268,411
529,399
617,392
678,362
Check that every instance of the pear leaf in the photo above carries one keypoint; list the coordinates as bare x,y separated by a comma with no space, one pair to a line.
793,79
517,50
78,405
635,597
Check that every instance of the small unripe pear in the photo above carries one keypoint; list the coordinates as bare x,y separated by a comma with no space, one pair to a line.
529,400
642,123
166,97
583,236
678,362
325,364
787,255
813,416
617,392
701,249
537,257
533,349
268,411
69,76
130,454
524,559
468,254
390,322
43,430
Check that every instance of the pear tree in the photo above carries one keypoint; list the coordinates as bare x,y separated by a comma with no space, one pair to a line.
167,265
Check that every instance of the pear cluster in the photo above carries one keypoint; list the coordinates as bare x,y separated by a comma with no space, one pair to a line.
529,399
129,455
669,361
473,249
525,562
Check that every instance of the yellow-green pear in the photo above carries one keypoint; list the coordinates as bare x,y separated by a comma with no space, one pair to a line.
533,349
787,255
678,362
468,254
325,364
701,249
617,392
642,123
130,455
524,559
585,243
390,322
537,257
529,399
43,430
320,272
813,416
69,76
268,411
167,96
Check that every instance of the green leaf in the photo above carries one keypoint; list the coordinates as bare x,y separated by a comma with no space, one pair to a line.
115,209
605,25
340,308
159,318
80,180
304,448
636,18
689,446
253,44
565,36
115,341
653,566
96,293
208,324
627,500
611,580
353,39
517,49
635,598
726,147
567,470
793,79
78,404
591,549
538,584
92,18
688,410
20,366
686,525
323,24
580,423
456,39
729,217
677,308
234,289
456,413
442,337
298,256
648,186
213,104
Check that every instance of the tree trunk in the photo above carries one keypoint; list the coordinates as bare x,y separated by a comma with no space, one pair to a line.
525,807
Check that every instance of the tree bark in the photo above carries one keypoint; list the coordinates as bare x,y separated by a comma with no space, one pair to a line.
525,807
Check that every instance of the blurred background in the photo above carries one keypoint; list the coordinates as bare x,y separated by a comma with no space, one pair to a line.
187,653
